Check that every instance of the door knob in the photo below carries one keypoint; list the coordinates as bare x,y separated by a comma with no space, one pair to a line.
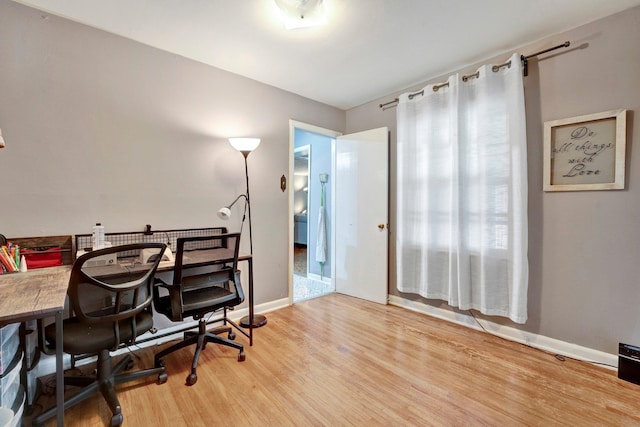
381,226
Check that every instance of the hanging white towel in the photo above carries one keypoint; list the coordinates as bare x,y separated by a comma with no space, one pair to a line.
321,243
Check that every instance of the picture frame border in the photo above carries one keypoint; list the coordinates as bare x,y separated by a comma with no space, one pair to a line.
620,116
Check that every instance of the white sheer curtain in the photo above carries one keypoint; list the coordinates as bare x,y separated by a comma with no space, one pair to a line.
462,193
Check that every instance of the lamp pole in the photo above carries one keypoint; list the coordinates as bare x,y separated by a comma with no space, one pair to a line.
252,320
246,175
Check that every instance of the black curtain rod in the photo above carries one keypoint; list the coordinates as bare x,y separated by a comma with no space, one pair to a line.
525,59
525,72
565,44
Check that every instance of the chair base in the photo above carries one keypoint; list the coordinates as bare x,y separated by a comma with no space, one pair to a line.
200,339
106,378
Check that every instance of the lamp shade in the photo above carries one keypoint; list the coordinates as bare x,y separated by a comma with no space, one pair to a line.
224,213
244,144
1,140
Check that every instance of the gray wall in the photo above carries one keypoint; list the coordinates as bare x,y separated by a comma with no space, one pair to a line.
100,128
584,247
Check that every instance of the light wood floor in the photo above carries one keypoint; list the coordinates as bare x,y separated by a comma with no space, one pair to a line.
336,361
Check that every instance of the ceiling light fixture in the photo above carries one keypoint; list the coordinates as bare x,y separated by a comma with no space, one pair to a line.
301,13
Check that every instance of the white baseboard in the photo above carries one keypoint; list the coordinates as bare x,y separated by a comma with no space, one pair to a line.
541,342
47,363
271,305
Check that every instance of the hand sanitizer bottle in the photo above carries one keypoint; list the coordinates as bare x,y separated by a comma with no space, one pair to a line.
98,236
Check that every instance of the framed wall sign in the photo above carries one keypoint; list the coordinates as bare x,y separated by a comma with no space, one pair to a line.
585,152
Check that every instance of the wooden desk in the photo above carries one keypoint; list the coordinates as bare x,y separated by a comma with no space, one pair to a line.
34,295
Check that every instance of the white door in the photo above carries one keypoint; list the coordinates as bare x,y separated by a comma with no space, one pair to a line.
361,194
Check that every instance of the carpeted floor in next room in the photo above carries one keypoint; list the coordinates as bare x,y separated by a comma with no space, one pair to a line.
300,260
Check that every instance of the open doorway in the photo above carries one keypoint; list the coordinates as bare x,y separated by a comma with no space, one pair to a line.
311,211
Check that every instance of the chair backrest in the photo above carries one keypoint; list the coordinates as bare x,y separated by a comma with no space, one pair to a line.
205,251
112,285
205,276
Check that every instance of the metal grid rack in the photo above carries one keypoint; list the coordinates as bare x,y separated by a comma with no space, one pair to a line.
170,237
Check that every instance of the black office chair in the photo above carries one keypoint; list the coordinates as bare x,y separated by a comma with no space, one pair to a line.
200,287
111,305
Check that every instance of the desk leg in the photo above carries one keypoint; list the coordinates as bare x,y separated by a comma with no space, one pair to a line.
252,320
59,371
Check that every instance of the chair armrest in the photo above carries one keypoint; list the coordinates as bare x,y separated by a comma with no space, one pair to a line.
238,285
175,298
42,342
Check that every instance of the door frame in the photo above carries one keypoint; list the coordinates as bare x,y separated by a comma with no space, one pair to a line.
293,125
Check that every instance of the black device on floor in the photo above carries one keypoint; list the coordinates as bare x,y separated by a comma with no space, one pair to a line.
629,363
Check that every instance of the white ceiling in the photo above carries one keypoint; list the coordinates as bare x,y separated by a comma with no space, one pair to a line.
369,49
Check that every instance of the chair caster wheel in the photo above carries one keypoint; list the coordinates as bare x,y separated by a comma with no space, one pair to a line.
241,356
232,336
192,379
117,420
162,378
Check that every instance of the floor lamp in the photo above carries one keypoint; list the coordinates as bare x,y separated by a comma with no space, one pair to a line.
246,146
